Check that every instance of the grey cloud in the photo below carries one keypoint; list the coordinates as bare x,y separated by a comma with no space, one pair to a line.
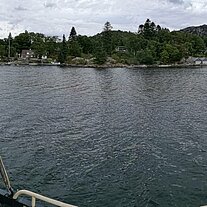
177,1
89,16
50,5
20,8
16,21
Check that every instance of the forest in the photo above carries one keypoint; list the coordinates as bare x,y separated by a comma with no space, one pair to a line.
151,44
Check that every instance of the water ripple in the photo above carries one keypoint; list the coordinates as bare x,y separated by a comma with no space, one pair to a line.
115,137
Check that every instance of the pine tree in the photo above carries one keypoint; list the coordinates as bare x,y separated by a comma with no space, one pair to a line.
100,56
63,51
107,38
107,27
148,29
73,34
9,45
140,29
74,48
158,28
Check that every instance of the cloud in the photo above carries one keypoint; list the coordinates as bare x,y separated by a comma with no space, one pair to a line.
20,8
56,17
7,27
50,5
177,1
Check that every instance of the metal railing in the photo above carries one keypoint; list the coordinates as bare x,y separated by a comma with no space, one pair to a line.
35,196
5,177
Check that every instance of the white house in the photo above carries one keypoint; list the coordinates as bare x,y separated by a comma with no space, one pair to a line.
121,49
198,61
204,61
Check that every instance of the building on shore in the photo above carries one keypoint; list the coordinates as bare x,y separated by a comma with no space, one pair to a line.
27,54
197,60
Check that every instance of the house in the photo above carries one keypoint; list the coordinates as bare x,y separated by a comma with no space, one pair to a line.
121,49
204,61
201,61
26,54
198,61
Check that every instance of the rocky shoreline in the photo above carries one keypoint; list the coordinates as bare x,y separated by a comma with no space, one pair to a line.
104,66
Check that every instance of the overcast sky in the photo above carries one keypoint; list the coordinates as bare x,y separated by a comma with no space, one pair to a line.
56,17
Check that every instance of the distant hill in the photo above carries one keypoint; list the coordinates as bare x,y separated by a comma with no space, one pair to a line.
199,30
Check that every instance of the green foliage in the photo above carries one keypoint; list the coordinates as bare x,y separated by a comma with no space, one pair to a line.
86,44
152,44
38,47
198,45
22,41
2,50
74,48
136,43
145,57
106,38
149,29
164,57
100,56
174,54
205,40
186,49
163,35
107,42
51,46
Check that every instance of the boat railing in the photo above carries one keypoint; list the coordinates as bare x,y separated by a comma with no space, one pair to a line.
35,196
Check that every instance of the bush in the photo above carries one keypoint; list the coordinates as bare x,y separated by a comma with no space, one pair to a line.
100,57
145,57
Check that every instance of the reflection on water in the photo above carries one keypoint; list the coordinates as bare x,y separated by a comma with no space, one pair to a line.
115,137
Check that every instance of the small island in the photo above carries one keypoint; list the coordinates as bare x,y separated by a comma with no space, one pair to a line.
150,46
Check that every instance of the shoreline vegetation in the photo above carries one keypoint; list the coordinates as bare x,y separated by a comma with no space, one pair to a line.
151,46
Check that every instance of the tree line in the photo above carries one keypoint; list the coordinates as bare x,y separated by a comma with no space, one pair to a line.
151,44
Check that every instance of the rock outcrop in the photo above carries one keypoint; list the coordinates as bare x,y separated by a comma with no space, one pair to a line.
199,30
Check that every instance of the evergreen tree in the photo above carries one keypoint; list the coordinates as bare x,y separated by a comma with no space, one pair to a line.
86,44
73,34
63,51
74,48
107,27
158,28
9,45
2,51
107,38
100,56
149,29
140,30
73,45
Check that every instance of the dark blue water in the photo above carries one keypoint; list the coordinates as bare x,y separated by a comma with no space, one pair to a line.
106,138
